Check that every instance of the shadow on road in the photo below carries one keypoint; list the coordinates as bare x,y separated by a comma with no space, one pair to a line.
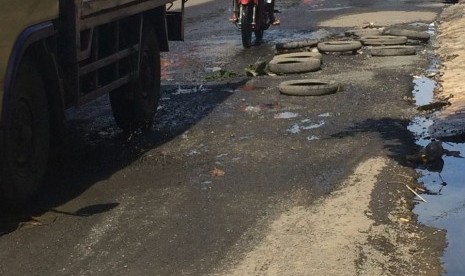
93,148
398,140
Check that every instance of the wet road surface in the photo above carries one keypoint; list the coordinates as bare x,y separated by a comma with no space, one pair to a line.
223,158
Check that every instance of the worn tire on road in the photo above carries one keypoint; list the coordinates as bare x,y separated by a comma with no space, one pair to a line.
310,87
410,34
339,46
383,40
399,50
296,44
363,32
303,55
294,65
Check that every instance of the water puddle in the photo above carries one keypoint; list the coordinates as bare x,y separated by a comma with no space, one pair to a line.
306,124
184,90
423,90
285,115
442,181
313,138
259,108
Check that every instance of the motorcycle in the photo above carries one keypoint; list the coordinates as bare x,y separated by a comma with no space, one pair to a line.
252,16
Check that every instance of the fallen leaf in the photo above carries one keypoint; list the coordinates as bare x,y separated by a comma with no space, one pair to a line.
217,172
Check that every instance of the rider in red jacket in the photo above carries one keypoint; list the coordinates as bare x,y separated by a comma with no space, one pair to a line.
269,6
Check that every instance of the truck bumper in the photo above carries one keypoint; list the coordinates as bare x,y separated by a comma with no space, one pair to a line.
175,23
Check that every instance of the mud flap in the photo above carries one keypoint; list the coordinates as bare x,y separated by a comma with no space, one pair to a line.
175,23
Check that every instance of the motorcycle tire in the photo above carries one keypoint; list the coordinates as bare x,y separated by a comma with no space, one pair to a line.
246,25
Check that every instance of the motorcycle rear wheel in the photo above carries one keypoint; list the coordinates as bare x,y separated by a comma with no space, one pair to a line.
246,25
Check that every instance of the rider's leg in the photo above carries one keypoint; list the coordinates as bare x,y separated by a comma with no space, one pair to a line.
234,17
273,19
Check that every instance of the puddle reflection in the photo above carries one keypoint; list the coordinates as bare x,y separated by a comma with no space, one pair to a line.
443,181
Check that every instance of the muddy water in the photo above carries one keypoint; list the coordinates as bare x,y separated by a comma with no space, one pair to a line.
444,183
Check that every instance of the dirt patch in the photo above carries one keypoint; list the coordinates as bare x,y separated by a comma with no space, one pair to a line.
452,52
336,237
382,18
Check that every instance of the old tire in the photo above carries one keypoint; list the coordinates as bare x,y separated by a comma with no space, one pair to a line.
383,40
311,87
339,46
134,105
299,55
296,44
410,34
294,65
400,50
363,32
26,142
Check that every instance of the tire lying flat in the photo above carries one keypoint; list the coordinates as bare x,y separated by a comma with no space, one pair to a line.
383,40
339,46
296,44
310,87
410,34
294,65
303,55
398,50
363,32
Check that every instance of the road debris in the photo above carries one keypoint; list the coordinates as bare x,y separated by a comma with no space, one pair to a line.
217,172
221,75
415,193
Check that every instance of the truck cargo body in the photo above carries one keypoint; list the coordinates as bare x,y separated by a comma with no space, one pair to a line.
55,54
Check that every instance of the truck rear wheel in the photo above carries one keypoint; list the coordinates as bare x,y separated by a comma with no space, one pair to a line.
135,104
27,138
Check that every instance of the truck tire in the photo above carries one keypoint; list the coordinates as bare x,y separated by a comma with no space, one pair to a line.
134,105
25,148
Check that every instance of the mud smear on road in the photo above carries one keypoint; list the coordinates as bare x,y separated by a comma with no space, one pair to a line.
443,183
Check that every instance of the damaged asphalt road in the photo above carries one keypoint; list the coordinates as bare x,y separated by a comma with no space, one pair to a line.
235,178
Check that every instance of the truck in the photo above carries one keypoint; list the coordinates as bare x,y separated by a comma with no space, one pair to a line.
58,54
